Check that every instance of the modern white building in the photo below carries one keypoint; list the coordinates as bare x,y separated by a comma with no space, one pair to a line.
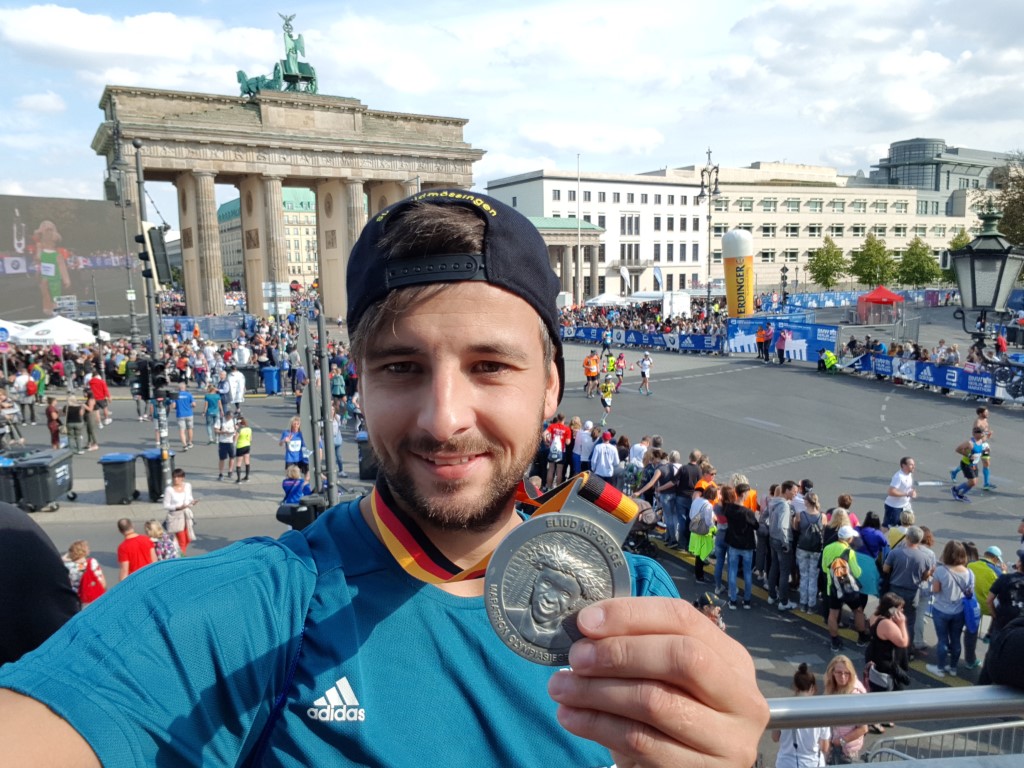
656,226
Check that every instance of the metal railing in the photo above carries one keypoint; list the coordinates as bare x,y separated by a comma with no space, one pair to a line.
898,706
995,739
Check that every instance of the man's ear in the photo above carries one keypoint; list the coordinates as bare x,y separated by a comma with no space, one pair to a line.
551,391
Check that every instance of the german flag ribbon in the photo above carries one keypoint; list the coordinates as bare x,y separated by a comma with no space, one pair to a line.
420,558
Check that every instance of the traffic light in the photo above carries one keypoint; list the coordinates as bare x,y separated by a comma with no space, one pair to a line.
147,254
158,377
145,384
96,329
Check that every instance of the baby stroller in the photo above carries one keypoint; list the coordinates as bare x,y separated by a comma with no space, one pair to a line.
639,540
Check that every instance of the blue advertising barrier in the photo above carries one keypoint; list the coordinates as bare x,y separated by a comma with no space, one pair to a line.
827,299
669,341
805,340
978,383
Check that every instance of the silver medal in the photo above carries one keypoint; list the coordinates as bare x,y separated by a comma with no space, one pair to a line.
547,570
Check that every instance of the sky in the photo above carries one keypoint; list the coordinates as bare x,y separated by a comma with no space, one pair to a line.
626,87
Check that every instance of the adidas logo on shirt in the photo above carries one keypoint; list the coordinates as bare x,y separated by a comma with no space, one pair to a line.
339,704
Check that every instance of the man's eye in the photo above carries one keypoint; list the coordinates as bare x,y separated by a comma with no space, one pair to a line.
402,367
491,367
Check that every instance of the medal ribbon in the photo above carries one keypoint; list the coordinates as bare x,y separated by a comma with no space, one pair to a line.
420,558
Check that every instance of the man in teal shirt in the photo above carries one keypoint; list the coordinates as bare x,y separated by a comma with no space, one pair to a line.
364,638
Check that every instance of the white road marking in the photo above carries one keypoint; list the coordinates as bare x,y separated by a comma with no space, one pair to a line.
763,423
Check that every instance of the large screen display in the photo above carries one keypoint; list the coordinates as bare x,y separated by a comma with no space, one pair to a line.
62,256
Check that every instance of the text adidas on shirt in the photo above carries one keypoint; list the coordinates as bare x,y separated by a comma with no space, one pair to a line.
338,705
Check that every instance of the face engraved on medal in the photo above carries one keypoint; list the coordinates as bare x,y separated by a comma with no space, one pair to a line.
537,586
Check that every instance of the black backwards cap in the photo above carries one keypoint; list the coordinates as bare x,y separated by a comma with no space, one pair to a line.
515,258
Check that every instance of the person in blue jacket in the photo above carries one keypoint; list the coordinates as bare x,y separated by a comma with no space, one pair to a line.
364,638
294,486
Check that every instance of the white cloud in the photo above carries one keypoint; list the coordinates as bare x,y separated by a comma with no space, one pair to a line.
47,103
593,138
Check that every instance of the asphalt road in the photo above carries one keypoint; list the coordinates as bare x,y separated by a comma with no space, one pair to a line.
846,433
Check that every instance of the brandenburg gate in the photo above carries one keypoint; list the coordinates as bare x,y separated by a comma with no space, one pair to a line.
355,159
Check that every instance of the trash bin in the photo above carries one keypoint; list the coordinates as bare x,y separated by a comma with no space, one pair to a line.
367,458
119,478
43,477
8,481
252,377
155,473
271,380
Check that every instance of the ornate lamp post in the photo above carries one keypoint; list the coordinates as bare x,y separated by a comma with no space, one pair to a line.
986,269
708,189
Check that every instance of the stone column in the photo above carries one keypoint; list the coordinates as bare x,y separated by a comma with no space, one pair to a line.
356,207
595,272
577,284
254,241
412,186
566,269
334,244
211,268
273,216
187,207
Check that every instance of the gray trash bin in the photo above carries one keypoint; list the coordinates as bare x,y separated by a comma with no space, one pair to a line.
119,478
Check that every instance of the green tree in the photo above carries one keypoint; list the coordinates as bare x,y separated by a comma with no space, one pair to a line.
1009,180
918,266
827,265
873,264
960,239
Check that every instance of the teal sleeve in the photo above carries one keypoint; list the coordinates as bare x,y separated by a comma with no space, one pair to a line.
649,578
180,663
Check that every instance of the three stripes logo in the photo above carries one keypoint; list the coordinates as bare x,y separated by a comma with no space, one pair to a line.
339,704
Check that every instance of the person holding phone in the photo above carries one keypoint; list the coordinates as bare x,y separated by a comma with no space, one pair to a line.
179,501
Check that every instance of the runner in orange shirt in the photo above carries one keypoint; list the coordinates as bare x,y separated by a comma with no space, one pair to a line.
591,368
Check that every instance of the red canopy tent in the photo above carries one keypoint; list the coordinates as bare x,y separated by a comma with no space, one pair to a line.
879,306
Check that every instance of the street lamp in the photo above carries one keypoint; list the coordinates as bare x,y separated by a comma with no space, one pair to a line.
708,189
986,269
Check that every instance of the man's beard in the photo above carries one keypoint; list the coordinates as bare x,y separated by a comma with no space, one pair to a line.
440,512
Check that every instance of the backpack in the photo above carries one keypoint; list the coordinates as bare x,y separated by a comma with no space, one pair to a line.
972,609
555,449
812,535
90,587
844,584
31,387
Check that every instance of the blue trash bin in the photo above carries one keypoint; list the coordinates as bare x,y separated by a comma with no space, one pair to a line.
271,380
154,472
119,478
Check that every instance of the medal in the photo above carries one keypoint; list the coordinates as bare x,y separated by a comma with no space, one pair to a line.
565,557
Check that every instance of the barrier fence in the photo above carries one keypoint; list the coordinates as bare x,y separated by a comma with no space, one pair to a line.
803,343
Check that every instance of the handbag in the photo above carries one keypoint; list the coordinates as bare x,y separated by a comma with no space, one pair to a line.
879,680
837,756
90,587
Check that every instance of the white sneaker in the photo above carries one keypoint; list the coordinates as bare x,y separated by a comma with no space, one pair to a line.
951,671
787,606
771,601
109,421
935,670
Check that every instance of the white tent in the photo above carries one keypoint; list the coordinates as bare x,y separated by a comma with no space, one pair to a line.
60,331
12,329
607,300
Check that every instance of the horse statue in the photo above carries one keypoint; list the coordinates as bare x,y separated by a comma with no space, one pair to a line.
251,86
